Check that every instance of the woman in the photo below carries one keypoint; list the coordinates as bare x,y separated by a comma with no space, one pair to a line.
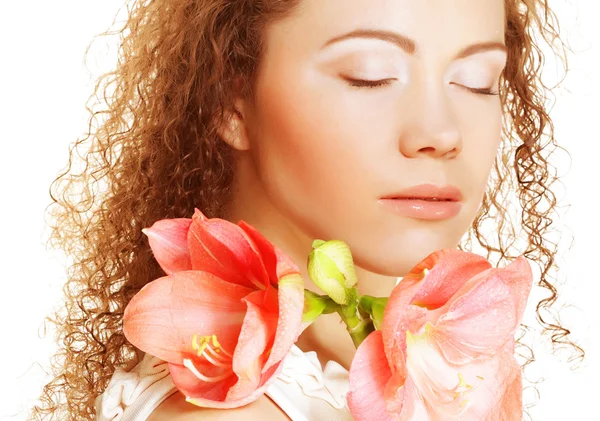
304,118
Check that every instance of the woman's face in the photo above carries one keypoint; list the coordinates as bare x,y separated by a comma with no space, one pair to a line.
324,152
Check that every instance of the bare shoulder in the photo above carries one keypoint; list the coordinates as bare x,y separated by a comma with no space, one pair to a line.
177,409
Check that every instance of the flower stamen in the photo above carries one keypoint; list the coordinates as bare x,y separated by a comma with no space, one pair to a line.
210,348
189,364
216,360
462,388
212,345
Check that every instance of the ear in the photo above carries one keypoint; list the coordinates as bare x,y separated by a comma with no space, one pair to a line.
233,130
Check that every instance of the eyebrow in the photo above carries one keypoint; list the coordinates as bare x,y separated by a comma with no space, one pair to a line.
410,46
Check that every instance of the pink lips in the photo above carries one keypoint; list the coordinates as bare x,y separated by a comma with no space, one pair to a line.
425,201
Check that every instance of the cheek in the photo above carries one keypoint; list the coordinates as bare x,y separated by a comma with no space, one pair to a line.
482,128
310,146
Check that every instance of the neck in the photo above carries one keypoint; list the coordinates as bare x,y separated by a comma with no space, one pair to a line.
327,336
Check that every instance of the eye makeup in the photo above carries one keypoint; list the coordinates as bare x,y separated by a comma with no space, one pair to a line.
382,65
365,59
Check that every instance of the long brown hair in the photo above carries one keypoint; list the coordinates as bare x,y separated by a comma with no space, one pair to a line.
152,152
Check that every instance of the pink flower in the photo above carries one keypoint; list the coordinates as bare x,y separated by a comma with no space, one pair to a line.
226,314
445,350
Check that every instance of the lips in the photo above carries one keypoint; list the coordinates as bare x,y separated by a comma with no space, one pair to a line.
427,199
428,192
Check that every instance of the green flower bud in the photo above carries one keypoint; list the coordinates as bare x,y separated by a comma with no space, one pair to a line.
331,267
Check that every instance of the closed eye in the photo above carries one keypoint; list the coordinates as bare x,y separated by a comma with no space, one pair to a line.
360,83
482,91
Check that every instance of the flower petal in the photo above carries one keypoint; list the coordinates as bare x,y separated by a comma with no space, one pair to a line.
407,318
191,386
414,407
163,316
448,271
223,249
433,376
510,406
289,324
485,312
215,403
446,391
276,262
369,374
168,241
418,294
497,396
256,337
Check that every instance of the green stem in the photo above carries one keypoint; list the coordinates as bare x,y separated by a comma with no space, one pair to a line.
358,327
330,306
374,307
315,305
365,304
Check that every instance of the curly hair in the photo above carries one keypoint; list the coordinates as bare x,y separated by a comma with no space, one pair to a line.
152,152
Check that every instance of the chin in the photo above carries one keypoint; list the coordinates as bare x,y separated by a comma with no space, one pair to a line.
399,258
396,266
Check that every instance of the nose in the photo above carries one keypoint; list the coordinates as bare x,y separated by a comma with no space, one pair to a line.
431,128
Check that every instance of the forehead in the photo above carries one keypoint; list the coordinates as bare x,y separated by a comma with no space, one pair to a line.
438,27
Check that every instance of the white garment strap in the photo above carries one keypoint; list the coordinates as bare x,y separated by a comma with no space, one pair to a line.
305,392
133,395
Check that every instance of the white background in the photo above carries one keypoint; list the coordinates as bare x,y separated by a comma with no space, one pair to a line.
43,88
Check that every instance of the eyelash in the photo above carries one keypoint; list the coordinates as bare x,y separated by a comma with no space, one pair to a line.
358,83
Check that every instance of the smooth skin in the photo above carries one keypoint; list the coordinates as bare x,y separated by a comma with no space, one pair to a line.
315,153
